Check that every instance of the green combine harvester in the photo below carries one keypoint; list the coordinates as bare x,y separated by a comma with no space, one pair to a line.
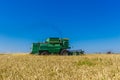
55,46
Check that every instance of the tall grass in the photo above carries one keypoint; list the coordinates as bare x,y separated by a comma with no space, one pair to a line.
86,67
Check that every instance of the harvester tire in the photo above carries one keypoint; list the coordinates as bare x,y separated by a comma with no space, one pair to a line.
44,53
64,52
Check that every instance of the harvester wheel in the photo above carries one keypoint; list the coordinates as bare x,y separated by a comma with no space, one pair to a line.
44,53
64,52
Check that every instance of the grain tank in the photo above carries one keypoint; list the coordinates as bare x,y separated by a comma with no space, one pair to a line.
51,46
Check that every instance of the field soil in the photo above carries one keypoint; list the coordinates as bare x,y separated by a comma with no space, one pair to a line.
84,67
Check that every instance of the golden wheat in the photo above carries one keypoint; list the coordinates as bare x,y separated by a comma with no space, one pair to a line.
86,67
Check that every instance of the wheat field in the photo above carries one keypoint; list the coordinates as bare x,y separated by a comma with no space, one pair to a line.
85,67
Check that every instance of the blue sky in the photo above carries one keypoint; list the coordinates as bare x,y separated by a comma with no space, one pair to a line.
92,25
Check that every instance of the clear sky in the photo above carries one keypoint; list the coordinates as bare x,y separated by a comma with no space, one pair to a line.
92,25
